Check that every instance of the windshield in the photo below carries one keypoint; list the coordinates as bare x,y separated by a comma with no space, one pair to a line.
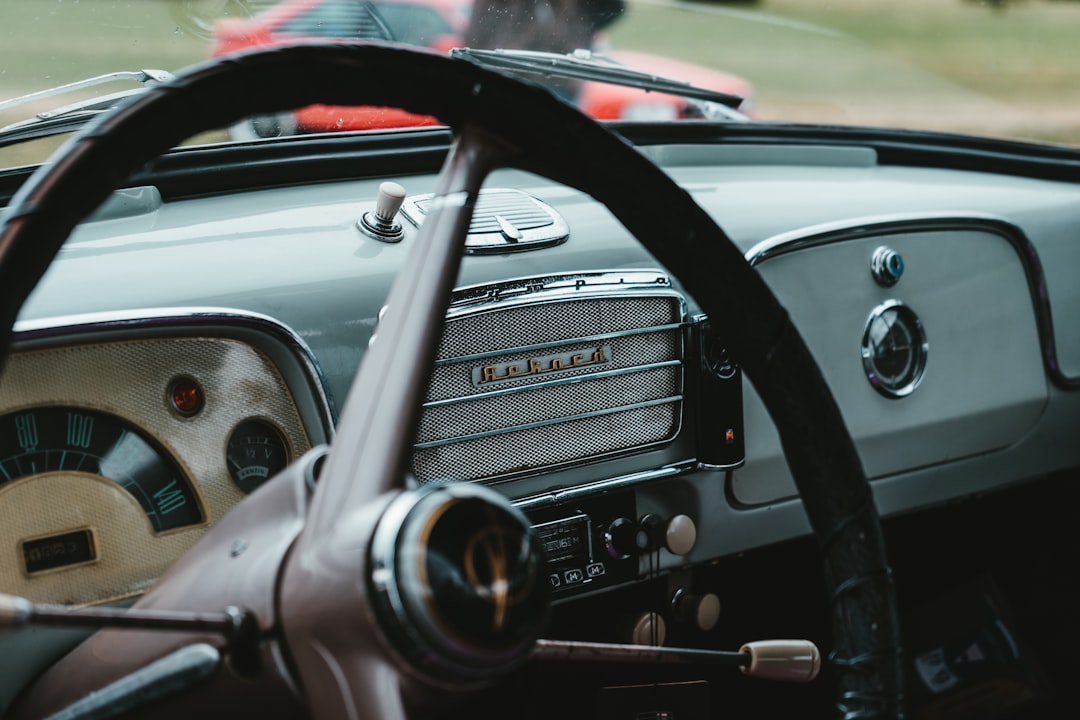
1005,68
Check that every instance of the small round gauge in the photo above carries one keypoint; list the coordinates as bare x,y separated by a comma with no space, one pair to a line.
894,349
61,439
256,452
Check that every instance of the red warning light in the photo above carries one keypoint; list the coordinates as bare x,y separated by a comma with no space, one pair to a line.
186,397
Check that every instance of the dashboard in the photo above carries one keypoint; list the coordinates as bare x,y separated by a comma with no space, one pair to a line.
574,376
978,363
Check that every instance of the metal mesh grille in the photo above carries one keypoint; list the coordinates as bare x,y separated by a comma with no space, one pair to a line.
633,399
548,403
553,322
537,448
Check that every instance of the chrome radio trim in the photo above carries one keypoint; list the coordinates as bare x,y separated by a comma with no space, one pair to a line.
522,291
479,299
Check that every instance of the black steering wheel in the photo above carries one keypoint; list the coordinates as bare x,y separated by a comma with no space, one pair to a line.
342,667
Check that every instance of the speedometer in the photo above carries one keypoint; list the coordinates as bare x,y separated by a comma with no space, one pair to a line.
78,441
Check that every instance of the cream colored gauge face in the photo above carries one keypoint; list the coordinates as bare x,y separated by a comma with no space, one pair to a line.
116,457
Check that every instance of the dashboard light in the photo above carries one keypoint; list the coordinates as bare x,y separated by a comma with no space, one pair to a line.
186,397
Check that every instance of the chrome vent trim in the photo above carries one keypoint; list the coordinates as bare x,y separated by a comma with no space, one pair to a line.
504,221
597,371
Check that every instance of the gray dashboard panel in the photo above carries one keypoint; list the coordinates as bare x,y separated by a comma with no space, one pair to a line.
984,385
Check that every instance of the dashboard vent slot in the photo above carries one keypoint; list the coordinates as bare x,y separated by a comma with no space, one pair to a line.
504,221
544,375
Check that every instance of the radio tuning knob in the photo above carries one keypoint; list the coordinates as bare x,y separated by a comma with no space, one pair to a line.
701,610
678,535
648,628
624,539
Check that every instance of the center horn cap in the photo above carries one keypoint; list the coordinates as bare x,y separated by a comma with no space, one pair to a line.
458,582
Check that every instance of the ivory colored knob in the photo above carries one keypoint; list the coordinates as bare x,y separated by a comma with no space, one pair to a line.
680,535
701,610
389,200
784,660
647,629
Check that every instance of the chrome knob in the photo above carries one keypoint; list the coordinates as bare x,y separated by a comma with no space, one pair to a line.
886,265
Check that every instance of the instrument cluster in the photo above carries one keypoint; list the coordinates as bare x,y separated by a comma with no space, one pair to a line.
123,440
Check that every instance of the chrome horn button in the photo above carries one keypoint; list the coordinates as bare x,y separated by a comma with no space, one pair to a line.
459,583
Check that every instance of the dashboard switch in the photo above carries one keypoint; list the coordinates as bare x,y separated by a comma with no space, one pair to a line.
887,266
678,535
381,224
624,539
701,610
648,628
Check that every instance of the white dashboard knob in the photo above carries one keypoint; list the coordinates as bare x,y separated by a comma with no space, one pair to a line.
680,536
701,610
389,200
648,629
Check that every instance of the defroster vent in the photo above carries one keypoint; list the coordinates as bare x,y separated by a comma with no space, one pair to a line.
504,221
552,372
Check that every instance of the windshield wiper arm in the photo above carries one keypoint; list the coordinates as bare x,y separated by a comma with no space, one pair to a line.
587,65
75,115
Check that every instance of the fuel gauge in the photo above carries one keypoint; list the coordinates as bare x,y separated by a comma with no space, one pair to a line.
255,453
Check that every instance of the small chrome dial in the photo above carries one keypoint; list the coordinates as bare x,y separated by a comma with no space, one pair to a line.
894,349
887,266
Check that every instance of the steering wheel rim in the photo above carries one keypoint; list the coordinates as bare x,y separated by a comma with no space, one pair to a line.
502,121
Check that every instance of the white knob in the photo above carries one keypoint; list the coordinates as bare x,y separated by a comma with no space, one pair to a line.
701,610
648,629
389,200
680,535
785,660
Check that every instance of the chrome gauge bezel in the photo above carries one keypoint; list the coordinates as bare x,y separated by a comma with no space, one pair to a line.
919,349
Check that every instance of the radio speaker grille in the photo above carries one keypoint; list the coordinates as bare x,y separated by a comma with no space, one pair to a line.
523,388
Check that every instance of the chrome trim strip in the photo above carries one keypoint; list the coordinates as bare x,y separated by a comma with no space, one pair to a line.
545,423
559,343
825,234
602,486
71,327
487,297
553,383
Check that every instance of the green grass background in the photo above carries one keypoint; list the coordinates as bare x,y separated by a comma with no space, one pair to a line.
949,64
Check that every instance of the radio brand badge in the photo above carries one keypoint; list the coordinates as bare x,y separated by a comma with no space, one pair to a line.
487,375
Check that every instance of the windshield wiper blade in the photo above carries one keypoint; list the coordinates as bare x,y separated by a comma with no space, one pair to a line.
72,116
587,65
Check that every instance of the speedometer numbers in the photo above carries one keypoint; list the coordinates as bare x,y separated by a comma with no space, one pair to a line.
74,440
